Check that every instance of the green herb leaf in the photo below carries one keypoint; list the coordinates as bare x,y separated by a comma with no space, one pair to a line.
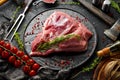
15,12
57,40
91,66
115,5
19,41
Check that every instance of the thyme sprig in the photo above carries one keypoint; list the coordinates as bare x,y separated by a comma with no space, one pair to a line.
115,5
92,66
57,40
19,41
88,68
15,13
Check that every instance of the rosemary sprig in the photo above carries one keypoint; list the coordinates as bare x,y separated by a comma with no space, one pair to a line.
92,66
15,12
115,5
56,41
19,41
89,68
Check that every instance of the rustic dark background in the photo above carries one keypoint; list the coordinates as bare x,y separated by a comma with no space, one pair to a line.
7,72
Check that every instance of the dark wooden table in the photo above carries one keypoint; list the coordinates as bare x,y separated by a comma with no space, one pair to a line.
8,10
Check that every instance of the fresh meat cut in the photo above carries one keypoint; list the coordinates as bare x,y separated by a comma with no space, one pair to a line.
61,32
49,1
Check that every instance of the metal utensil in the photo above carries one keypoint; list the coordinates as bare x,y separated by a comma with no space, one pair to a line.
97,12
114,31
36,2
111,33
18,21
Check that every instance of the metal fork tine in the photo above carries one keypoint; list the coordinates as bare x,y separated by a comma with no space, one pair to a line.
12,27
21,17
18,21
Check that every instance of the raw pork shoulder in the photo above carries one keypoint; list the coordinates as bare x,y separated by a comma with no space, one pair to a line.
57,25
49,1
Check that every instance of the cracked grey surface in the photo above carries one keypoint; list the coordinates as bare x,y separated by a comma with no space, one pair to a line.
8,9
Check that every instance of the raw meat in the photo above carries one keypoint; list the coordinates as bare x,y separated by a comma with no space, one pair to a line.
49,1
57,25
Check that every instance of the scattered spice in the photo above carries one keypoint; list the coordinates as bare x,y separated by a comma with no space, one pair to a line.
62,0
93,44
83,20
103,39
64,62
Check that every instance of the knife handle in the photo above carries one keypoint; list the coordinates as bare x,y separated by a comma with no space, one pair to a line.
97,12
2,2
103,52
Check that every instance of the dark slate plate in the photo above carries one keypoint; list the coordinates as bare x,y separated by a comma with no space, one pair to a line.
62,60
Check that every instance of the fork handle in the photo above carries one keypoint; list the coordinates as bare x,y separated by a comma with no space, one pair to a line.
27,6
